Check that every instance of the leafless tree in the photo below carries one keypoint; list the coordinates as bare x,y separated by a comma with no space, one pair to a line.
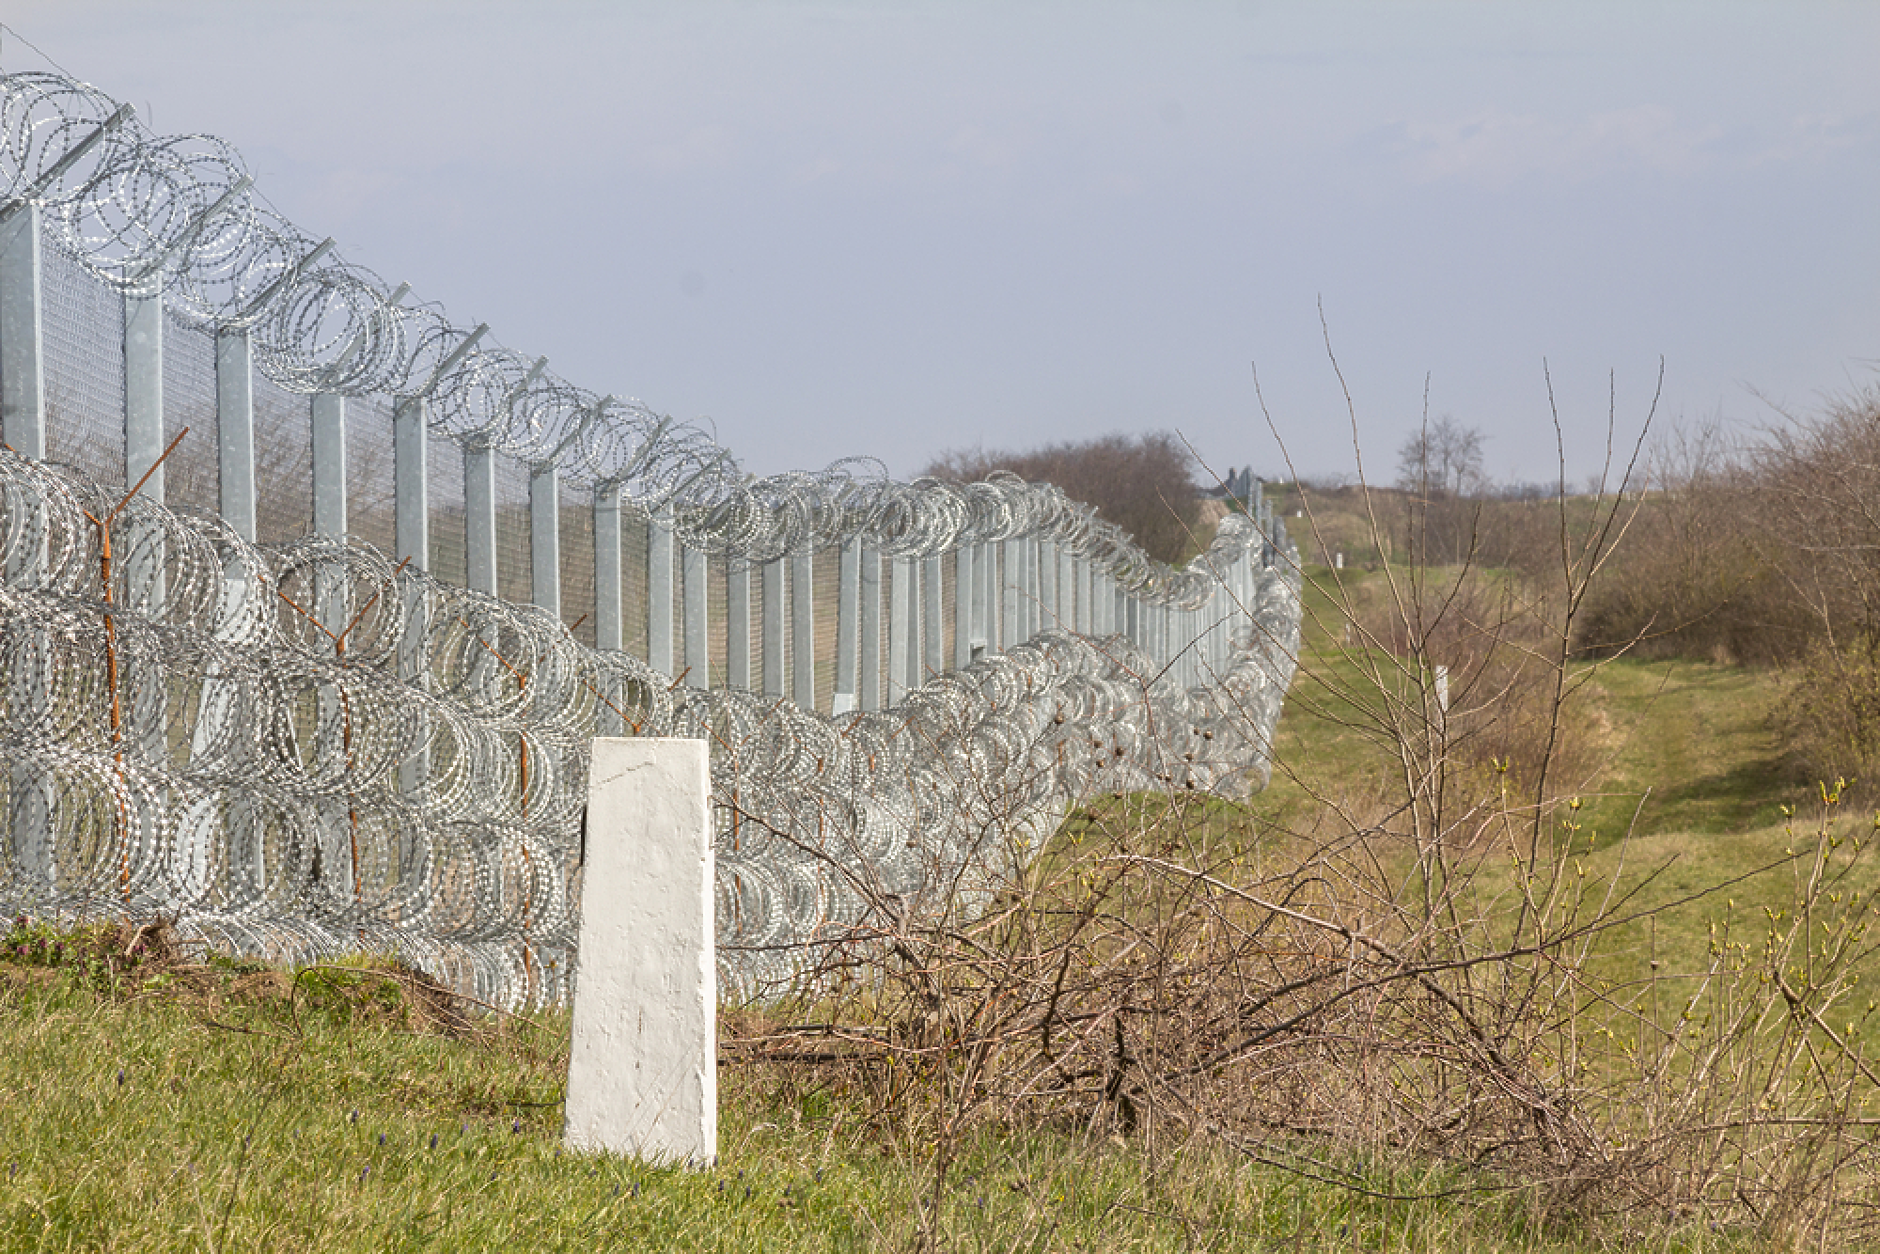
1442,459
1440,467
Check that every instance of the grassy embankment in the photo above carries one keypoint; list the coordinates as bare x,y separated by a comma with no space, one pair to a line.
184,1104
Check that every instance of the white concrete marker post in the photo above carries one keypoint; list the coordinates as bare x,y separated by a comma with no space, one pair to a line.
643,1070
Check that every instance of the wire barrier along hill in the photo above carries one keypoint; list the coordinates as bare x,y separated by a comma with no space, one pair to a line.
312,601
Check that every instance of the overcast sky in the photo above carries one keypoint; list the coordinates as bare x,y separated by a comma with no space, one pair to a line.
863,228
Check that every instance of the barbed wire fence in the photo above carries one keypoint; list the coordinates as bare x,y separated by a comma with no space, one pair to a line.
312,601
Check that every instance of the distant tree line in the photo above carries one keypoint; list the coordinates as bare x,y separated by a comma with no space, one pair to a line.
1144,484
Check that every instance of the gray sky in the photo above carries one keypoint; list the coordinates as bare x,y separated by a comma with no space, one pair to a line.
852,228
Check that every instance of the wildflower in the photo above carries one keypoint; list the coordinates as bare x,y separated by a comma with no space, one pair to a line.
434,1140
364,1172
381,1138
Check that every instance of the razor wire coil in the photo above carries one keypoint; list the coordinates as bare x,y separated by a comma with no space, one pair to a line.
302,747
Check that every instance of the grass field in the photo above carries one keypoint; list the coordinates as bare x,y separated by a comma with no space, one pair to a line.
184,1102
216,1108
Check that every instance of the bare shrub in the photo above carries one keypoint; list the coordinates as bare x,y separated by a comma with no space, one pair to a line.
1830,721
1703,573
1820,478
1428,974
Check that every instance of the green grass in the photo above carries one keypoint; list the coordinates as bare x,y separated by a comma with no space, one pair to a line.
193,1116
220,1107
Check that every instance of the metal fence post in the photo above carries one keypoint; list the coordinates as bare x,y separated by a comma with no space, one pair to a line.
986,606
698,663
902,616
609,597
545,537
23,426
1011,625
479,518
933,630
327,414
802,631
738,624
965,589
1028,588
411,524
870,586
1048,618
609,594
1085,606
143,432
659,594
22,338
848,630
771,611
1066,589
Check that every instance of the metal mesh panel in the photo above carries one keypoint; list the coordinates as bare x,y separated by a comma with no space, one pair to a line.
577,563
826,573
283,464
444,462
717,622
949,593
633,524
788,632
370,494
512,530
757,631
82,322
192,474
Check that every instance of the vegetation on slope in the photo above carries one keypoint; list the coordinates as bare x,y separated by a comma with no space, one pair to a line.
1571,959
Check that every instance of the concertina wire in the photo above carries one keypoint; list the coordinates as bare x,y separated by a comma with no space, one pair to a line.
181,737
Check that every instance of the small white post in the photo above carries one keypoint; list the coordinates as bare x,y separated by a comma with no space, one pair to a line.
643,1066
